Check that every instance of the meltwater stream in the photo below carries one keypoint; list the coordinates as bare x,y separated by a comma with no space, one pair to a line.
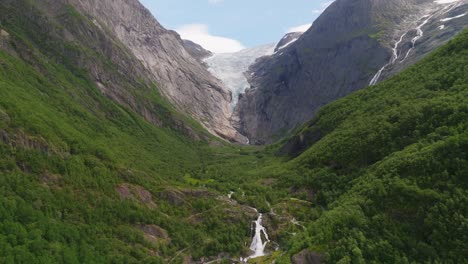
258,245
447,6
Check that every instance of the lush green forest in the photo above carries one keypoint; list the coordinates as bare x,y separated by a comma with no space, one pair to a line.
87,180
389,167
377,177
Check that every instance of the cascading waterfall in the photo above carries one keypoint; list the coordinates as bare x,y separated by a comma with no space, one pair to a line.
419,34
258,245
392,61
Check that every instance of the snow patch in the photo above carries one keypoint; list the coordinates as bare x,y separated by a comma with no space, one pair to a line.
287,44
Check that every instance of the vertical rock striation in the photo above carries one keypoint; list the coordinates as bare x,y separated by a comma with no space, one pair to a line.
339,54
180,77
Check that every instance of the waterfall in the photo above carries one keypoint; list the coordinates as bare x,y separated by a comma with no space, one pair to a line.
258,245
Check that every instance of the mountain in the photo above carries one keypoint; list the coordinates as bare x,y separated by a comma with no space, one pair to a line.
231,68
108,171
386,168
197,51
96,166
180,77
287,40
348,44
434,28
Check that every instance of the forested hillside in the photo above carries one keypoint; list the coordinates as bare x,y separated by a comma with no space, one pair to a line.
389,165
377,177
85,179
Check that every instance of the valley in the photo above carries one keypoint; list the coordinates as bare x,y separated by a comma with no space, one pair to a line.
120,142
344,51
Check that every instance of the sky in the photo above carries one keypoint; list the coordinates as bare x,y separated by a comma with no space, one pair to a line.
231,25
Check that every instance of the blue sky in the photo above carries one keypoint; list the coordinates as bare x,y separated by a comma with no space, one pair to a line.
230,25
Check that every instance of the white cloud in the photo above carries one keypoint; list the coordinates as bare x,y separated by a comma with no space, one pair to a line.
301,28
215,1
199,33
323,7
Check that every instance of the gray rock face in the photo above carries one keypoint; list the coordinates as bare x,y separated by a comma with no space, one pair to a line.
197,51
438,24
181,78
307,257
287,40
72,38
340,54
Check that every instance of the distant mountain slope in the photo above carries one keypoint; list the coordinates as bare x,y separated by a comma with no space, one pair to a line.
180,77
387,168
197,51
341,53
231,68
287,40
95,166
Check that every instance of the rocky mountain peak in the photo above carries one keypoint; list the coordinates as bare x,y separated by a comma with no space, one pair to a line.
340,54
181,78
196,50
287,40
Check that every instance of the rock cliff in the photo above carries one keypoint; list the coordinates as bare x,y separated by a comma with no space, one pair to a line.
180,77
348,44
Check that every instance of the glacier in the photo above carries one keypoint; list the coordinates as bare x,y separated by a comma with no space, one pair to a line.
231,68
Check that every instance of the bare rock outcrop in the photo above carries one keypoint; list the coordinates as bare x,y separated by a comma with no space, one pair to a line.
307,257
341,53
180,77
137,193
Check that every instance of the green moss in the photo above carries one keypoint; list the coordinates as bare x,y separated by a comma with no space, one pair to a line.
378,35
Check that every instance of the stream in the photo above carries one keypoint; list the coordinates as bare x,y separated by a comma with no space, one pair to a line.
258,245
448,6
260,238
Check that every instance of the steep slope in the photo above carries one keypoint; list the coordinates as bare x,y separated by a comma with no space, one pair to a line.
287,40
232,68
62,34
387,167
434,28
341,53
85,178
197,51
180,77
377,177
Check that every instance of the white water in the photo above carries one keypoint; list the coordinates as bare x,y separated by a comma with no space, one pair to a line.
295,222
452,18
419,35
449,5
258,245
392,61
